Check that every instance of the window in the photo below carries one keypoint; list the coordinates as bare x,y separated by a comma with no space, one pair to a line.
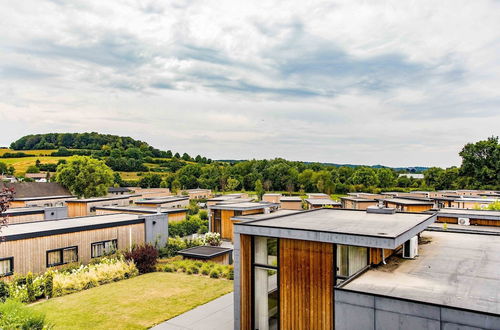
350,260
62,256
103,248
6,266
265,283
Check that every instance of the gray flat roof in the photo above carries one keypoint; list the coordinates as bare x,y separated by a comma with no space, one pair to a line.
457,270
290,199
405,201
353,227
242,206
264,215
141,209
23,210
223,198
455,228
466,213
162,200
322,201
358,199
43,198
204,252
100,199
55,227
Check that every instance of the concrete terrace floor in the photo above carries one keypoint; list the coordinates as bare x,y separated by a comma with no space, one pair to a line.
217,314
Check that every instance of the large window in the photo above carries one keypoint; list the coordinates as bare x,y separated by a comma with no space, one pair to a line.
100,249
62,256
217,222
350,260
6,266
265,283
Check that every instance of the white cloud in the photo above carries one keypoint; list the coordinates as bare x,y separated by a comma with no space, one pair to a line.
397,83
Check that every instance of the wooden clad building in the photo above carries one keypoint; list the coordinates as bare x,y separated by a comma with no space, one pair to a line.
32,214
36,246
38,194
357,203
271,198
86,206
167,202
287,267
220,215
291,203
316,203
469,217
197,193
174,215
408,205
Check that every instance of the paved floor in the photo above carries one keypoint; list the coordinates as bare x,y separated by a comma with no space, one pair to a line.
217,314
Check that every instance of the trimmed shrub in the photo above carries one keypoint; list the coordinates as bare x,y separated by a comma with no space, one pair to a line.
214,273
4,291
144,257
14,315
48,284
30,290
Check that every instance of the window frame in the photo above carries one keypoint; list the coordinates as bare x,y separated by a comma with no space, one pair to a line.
268,267
102,242
11,272
61,255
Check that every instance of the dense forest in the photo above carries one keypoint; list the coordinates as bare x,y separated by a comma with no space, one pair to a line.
480,168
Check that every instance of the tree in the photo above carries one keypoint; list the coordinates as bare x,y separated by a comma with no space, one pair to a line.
85,176
259,189
431,176
6,195
176,186
169,154
386,177
150,181
33,169
3,168
365,176
481,162
232,184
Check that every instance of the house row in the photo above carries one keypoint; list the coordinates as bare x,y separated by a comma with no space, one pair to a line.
37,246
373,269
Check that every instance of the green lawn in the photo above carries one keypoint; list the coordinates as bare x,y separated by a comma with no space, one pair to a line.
137,303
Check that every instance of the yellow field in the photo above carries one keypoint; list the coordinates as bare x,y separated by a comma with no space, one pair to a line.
29,152
22,164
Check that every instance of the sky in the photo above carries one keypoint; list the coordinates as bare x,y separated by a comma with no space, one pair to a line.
398,83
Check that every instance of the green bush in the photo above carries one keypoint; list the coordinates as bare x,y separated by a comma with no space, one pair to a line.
4,291
203,214
205,270
14,315
176,244
214,274
168,269
193,269
48,284
30,289
186,227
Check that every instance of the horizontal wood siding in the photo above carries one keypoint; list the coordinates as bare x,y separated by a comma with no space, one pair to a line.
30,254
306,285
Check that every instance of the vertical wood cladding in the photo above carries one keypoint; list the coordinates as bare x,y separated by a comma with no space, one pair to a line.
306,284
245,282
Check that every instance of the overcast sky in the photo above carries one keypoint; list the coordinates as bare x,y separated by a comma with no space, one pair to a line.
398,83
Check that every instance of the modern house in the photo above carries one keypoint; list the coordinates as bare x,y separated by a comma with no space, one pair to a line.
169,202
197,193
271,198
220,215
86,206
38,194
32,214
174,214
287,267
408,205
316,203
317,195
117,191
357,203
222,198
291,203
473,202
463,217
37,177
36,246
215,254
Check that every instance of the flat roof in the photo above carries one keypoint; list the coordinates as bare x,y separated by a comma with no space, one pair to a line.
321,201
456,270
18,211
272,194
352,227
467,213
261,216
405,201
358,199
223,198
204,252
100,199
455,228
139,209
43,198
55,227
290,199
162,200
242,206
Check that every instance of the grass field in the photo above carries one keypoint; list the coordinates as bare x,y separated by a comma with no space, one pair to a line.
136,303
29,152
22,164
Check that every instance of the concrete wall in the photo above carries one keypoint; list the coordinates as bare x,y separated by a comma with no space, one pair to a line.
156,226
354,310
54,213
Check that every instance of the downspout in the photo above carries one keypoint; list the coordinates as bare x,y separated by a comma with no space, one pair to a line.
383,257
